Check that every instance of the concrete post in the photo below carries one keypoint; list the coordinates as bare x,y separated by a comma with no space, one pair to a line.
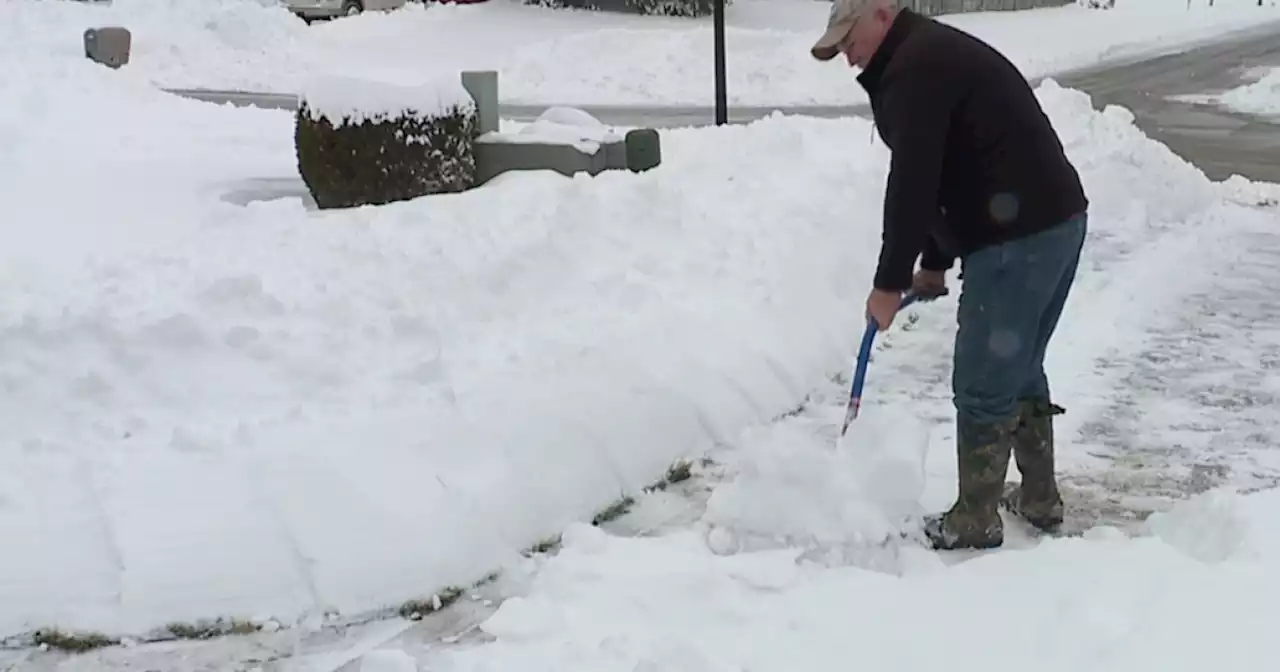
483,87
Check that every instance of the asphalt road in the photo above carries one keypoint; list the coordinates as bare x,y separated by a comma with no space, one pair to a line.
1219,142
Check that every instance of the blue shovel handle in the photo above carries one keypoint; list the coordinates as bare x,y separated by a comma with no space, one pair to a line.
864,357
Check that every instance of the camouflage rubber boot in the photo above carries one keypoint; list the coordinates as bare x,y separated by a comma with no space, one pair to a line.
1037,498
982,453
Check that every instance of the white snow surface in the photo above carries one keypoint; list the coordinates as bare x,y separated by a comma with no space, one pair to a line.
351,100
575,57
218,401
1199,592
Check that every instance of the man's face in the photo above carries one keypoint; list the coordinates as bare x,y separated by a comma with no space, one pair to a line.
865,36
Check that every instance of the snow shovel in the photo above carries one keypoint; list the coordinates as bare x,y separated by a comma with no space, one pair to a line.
864,356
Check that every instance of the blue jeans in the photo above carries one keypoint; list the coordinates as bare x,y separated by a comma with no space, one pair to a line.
1010,303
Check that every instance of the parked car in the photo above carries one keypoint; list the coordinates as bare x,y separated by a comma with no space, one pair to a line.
310,10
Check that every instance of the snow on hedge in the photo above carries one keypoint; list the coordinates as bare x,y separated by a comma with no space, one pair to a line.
350,100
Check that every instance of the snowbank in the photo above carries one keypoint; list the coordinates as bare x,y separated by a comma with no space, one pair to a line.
577,57
227,404
1200,592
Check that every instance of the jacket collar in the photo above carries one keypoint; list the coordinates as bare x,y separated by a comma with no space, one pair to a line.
903,24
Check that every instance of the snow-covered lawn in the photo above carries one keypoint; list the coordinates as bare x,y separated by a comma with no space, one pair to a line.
1259,95
578,57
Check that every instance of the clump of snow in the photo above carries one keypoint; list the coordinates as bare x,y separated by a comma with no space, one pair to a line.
347,100
1247,192
1259,97
797,486
560,126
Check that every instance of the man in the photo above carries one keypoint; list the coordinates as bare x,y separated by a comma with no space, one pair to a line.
977,172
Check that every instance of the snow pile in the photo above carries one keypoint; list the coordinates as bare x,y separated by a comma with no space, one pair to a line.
1259,97
1103,603
795,487
349,100
575,57
218,405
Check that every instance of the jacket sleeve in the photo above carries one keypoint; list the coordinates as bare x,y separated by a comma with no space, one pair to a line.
920,102
933,258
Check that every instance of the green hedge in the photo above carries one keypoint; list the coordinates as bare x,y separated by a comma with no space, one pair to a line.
381,160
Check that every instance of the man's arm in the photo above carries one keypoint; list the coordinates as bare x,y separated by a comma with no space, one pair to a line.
920,103
932,258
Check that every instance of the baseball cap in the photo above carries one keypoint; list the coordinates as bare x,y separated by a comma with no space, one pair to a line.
844,13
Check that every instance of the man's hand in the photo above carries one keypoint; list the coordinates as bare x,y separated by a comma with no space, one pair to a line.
929,285
882,306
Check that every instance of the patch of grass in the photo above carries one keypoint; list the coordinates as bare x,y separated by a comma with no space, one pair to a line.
72,642
543,546
614,511
416,609
680,471
211,629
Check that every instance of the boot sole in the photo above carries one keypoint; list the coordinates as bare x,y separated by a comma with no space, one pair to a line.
984,546
1051,526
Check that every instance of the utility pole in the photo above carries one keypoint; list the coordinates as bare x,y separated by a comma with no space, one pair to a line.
722,96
